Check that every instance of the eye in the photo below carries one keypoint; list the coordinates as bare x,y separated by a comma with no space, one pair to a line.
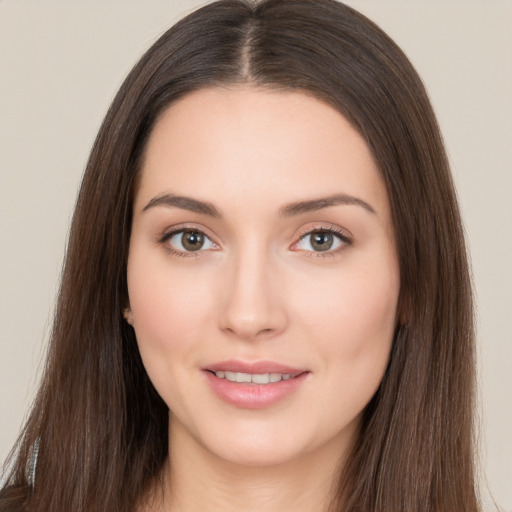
188,240
321,240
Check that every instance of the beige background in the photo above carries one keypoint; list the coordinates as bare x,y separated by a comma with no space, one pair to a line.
61,62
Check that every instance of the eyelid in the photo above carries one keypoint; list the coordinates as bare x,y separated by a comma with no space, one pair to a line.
169,232
342,234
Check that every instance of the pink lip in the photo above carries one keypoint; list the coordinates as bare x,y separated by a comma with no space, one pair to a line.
252,367
253,396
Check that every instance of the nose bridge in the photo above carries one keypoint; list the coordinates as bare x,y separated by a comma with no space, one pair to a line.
253,306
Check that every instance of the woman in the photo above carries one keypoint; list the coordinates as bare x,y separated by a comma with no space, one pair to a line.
266,301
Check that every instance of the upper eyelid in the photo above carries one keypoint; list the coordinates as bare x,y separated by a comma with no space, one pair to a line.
342,233
341,236
168,232
344,239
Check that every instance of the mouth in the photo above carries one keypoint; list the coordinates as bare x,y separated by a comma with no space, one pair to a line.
254,385
254,378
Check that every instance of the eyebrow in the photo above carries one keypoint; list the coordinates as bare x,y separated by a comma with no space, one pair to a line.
323,202
185,203
290,210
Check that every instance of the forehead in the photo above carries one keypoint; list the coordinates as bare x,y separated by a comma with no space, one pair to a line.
245,144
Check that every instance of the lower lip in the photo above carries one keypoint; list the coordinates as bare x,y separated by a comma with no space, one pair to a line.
254,396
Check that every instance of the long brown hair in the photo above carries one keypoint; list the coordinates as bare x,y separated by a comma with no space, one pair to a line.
100,426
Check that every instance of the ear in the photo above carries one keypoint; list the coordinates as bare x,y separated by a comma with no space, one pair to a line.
128,315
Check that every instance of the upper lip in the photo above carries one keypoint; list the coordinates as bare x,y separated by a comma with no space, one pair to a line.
253,367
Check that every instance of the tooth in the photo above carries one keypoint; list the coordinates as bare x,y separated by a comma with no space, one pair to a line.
257,378
243,377
231,376
260,378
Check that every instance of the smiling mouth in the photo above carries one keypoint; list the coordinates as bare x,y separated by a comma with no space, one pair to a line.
254,385
254,378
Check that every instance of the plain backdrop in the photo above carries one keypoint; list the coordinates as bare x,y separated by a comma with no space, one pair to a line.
61,63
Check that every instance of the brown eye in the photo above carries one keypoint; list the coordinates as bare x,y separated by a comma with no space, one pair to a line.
188,240
322,241
192,240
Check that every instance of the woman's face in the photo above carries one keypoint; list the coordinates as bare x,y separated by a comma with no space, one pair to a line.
263,276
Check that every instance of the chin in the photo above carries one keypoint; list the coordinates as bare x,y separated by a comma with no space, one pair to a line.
263,447
253,446
257,457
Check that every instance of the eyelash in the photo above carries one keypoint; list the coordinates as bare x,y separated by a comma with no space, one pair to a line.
182,254
340,235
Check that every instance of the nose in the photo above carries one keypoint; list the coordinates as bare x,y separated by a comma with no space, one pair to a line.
253,301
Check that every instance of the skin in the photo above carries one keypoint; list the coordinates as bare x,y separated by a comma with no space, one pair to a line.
257,290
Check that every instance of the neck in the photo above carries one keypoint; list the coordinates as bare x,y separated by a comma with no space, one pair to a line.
196,480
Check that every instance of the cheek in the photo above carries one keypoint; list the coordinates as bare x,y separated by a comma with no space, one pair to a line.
169,310
355,319
166,302
352,328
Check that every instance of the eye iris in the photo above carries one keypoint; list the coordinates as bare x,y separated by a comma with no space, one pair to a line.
192,240
321,241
